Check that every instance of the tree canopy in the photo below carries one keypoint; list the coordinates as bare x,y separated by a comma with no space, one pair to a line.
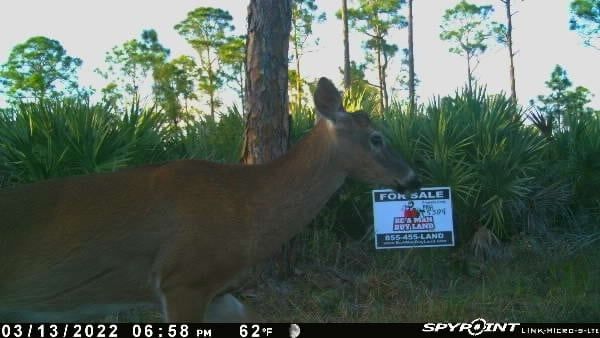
37,69
467,27
563,103
207,29
304,14
132,62
585,20
375,19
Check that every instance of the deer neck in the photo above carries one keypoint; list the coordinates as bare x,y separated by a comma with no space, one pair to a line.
298,186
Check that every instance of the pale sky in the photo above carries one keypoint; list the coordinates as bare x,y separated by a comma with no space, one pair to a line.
89,28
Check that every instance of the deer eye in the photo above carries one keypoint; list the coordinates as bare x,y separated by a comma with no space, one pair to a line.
376,140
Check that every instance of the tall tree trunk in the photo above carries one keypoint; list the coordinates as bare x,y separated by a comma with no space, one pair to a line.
242,83
134,86
380,75
513,91
469,75
411,58
267,103
386,99
347,75
211,89
298,78
298,86
241,87
212,103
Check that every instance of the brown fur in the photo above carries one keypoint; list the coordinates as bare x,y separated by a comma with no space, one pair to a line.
174,234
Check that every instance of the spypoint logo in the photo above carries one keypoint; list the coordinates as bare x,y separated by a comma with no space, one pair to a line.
474,328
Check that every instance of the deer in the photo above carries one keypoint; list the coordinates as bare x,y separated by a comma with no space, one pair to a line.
176,235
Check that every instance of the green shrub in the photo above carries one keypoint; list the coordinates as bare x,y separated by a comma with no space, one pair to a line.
576,151
479,146
71,137
302,121
505,175
495,158
218,140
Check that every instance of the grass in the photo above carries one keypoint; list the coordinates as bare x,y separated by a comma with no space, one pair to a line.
531,279
526,284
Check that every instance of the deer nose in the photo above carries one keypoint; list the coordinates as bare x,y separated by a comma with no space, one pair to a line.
414,184
410,184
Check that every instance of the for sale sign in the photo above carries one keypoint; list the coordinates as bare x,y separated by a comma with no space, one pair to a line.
419,219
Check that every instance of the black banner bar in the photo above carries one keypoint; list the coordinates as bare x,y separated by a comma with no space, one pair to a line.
289,330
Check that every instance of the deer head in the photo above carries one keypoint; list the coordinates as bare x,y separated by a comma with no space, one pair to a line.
360,148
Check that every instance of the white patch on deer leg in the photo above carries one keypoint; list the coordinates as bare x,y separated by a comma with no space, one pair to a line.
225,308
330,125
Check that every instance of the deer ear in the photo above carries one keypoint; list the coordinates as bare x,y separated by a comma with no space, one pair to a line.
328,100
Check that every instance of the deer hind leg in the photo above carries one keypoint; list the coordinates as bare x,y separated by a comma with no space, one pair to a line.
184,304
226,309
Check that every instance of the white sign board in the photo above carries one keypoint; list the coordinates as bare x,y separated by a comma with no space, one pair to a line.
418,219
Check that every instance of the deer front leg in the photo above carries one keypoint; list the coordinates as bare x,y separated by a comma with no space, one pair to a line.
184,304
